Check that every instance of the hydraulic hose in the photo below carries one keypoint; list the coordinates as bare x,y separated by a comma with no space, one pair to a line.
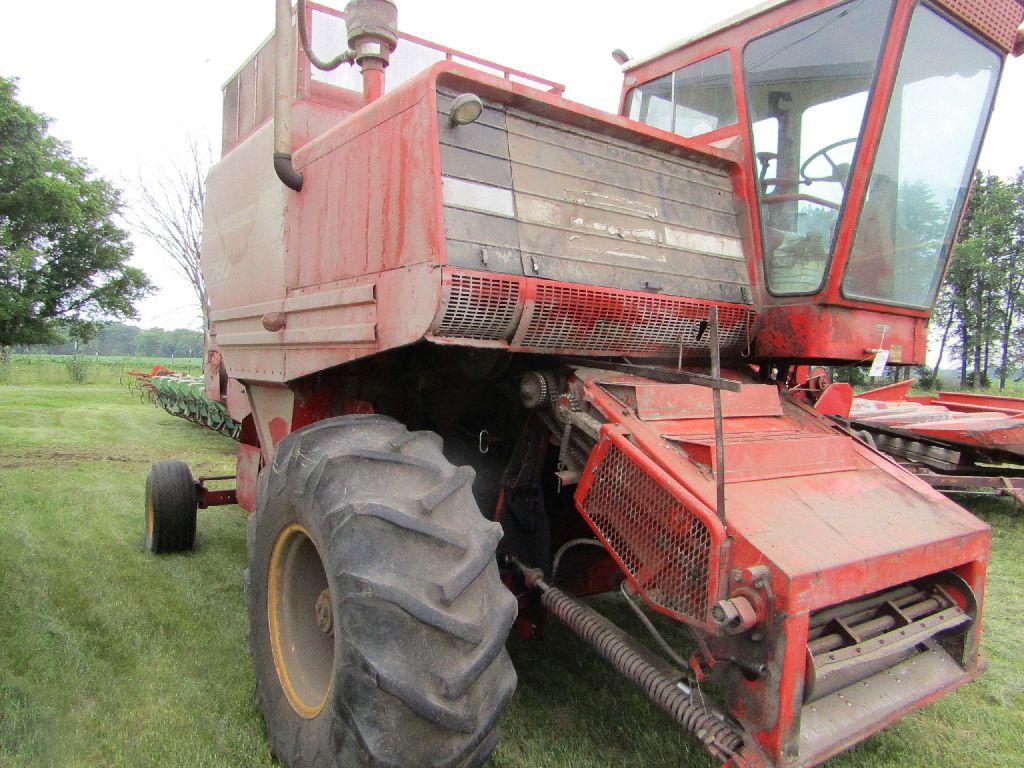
719,738
347,57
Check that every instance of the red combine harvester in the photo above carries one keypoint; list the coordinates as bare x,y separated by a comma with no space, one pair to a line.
493,351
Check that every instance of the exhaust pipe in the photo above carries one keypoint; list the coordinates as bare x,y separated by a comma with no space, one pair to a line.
372,27
372,36
284,92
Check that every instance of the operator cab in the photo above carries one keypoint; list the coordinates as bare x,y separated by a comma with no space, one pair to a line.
858,128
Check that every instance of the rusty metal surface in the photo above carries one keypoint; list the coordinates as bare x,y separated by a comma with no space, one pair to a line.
531,315
991,425
597,211
833,723
527,196
658,402
765,456
876,639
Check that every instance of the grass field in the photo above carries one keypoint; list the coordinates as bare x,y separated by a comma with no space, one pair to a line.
56,369
111,657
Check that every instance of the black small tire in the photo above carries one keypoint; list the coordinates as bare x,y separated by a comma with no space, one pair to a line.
408,666
172,508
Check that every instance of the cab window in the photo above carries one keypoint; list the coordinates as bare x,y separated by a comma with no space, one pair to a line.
922,171
807,93
691,101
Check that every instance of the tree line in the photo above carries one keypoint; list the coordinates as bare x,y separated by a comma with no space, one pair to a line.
979,318
122,339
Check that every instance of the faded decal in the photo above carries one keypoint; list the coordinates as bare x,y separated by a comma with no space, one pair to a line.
538,211
637,235
589,253
701,242
478,197
612,203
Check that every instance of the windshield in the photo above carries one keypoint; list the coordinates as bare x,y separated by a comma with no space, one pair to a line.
929,146
807,91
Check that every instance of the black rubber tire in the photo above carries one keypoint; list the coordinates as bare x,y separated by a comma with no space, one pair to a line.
420,672
172,508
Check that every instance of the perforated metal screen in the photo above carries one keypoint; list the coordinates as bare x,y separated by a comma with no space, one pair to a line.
546,316
667,549
996,19
479,307
592,320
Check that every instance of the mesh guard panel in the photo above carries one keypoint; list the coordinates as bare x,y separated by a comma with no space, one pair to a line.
478,307
669,551
536,315
601,321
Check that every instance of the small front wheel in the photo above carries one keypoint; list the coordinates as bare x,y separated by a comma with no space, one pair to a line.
172,508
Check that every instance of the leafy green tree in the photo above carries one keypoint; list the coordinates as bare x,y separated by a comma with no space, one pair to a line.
983,297
116,339
63,259
187,343
152,343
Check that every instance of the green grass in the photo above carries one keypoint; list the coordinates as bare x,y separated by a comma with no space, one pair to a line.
53,369
111,657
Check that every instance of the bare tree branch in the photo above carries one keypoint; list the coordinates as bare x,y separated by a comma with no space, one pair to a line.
169,212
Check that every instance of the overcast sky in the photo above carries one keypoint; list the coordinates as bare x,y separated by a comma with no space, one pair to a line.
126,81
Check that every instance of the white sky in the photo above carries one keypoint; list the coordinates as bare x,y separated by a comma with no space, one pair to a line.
126,81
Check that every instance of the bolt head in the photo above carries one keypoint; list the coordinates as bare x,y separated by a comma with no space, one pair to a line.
324,612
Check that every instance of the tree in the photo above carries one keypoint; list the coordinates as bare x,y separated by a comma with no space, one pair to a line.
153,343
170,213
1013,265
983,298
63,259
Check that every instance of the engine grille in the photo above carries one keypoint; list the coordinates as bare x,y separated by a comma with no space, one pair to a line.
478,307
669,552
565,318
533,315
996,19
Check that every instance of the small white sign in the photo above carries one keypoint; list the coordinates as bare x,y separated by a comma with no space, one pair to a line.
878,366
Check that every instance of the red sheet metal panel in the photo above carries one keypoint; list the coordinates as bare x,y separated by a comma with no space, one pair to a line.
956,418
688,401
979,400
991,432
764,456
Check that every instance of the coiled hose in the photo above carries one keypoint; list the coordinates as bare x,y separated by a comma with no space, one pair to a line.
719,738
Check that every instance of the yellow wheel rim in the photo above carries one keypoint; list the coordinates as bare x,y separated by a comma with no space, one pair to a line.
300,621
149,519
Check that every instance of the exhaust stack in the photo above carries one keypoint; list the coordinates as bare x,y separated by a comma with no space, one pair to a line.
372,37
284,92
372,27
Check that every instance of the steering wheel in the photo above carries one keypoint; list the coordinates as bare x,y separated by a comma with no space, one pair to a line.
840,171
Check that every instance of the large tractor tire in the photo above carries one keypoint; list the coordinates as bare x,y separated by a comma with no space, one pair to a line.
172,508
377,616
